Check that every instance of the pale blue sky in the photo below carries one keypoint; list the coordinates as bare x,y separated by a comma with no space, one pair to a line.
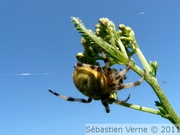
38,37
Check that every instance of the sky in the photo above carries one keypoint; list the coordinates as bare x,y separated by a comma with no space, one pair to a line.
38,45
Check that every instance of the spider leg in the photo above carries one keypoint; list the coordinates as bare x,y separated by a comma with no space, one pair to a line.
105,104
104,101
129,85
108,70
117,101
105,59
119,77
122,73
70,98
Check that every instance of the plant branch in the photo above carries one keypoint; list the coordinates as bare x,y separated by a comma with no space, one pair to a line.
120,46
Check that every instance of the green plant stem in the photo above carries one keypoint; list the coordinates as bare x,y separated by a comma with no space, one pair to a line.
122,47
171,114
143,60
140,108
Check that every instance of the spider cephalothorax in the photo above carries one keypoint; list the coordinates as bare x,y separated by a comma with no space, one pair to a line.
99,83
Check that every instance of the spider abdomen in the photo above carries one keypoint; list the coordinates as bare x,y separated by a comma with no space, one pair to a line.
90,82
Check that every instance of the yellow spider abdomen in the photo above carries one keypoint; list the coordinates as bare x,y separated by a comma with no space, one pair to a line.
90,82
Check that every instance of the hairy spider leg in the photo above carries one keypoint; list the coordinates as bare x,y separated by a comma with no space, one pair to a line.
117,101
108,69
119,77
129,85
122,73
105,59
71,99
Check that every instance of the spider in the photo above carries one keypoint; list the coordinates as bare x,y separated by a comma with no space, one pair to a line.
99,83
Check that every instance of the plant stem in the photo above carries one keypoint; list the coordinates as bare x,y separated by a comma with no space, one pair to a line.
143,60
140,108
171,114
